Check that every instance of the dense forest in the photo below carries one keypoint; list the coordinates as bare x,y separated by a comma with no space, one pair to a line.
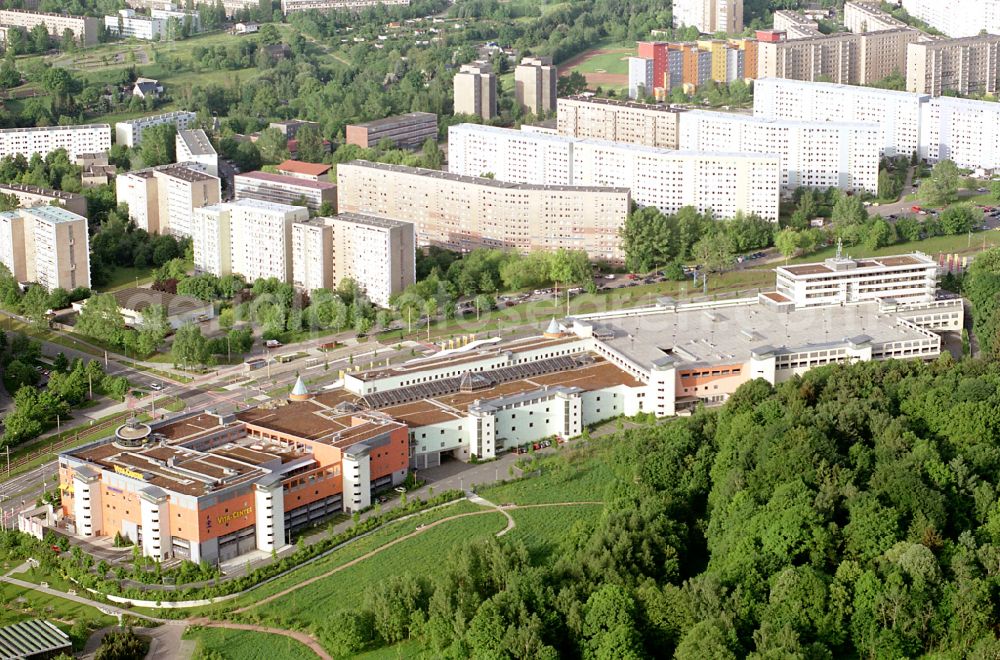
851,512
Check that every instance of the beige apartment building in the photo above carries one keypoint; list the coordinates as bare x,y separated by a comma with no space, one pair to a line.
535,85
409,130
845,58
795,25
35,196
970,65
312,252
465,212
869,17
256,236
587,116
162,199
709,16
476,90
377,253
47,245
285,189
84,28
180,190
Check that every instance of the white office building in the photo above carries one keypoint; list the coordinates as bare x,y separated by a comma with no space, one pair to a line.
130,24
129,132
907,278
82,139
723,182
260,238
896,113
813,154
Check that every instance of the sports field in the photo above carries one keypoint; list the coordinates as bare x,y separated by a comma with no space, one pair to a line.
605,67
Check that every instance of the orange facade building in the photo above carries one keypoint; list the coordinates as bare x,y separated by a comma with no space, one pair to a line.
212,487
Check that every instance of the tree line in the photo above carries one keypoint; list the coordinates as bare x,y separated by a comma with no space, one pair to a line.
849,512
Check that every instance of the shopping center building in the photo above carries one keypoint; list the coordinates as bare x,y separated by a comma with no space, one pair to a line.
215,487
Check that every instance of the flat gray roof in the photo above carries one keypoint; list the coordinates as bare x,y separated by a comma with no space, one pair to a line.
399,120
728,335
197,142
370,220
480,181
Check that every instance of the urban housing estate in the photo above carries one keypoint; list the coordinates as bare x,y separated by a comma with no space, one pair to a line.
723,182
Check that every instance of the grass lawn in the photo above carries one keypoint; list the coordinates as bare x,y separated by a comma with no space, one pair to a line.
578,475
613,62
355,549
126,276
19,604
960,244
245,644
426,554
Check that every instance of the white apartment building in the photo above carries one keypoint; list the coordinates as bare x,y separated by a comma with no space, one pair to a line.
709,16
85,29
210,239
46,245
378,253
129,132
138,190
464,212
907,278
897,114
130,24
722,182
291,6
962,130
587,116
230,6
869,17
312,255
81,139
260,238
640,77
813,155
957,18
193,146
166,13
